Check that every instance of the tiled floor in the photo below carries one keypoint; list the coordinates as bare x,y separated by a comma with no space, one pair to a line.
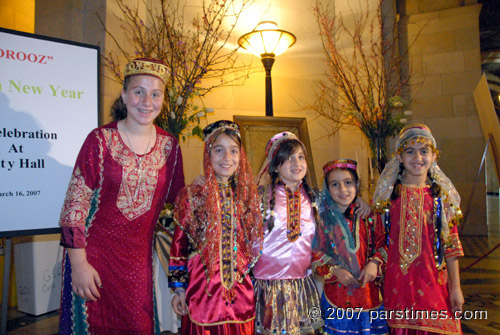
480,284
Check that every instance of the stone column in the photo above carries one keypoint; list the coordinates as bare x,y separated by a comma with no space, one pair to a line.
446,67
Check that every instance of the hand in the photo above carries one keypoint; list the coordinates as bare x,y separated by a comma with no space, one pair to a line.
369,273
179,303
85,280
345,277
363,209
456,299
456,295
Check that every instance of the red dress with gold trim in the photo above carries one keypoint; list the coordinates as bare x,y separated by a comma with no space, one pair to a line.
368,235
222,303
414,287
361,302
111,209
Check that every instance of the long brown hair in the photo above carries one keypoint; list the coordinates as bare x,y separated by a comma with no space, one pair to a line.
119,109
283,152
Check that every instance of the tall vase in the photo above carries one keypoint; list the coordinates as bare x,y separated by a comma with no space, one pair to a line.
378,148
377,161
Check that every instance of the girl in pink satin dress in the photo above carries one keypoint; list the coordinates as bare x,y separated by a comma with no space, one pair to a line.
218,225
285,291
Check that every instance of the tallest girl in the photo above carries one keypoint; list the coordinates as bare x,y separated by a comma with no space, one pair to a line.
123,175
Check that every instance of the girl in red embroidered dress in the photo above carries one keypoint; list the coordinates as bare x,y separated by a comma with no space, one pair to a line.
349,253
420,209
218,224
123,175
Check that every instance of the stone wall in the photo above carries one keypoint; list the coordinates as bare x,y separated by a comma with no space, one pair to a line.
446,67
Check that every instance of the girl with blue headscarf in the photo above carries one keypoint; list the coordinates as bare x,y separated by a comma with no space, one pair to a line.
349,254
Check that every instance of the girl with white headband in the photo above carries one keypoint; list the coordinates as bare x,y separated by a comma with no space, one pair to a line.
420,209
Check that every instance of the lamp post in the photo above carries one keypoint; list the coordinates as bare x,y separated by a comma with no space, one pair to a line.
267,41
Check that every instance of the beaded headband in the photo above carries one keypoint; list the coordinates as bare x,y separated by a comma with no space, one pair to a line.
340,164
146,66
218,126
272,147
275,141
418,132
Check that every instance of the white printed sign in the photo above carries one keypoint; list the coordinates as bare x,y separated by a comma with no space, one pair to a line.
48,105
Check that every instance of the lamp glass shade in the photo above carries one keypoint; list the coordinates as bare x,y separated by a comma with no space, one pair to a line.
267,39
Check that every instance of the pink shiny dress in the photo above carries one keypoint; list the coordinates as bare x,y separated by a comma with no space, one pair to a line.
111,210
413,284
285,291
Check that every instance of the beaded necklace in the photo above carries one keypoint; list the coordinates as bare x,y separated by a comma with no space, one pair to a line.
137,159
228,242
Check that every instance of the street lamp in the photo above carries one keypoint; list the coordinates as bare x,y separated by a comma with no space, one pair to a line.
267,41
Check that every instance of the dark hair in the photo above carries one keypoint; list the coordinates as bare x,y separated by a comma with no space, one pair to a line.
396,191
354,176
119,109
235,137
229,132
283,152
435,188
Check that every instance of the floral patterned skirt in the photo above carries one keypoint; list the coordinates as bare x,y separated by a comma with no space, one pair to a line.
287,306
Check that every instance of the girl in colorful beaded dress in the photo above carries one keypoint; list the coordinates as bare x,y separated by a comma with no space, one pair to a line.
218,225
420,209
123,175
349,254
285,291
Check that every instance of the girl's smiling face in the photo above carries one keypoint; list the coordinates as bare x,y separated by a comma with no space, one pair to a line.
143,98
293,169
224,157
342,187
417,159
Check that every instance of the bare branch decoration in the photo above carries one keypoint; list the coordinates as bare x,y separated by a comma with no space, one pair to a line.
364,85
197,53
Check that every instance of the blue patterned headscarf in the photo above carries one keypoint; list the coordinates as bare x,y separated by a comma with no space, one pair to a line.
333,236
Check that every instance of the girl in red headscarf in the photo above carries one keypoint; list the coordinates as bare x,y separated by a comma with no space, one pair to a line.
218,227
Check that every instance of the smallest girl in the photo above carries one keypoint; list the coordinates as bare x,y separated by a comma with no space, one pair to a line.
349,253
